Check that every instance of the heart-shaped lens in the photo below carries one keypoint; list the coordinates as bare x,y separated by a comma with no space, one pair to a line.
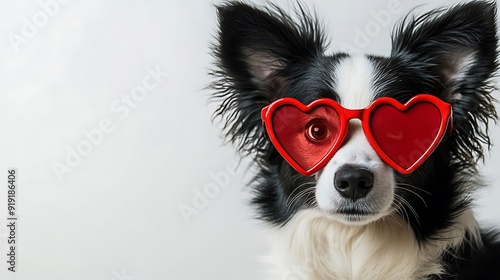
306,135
407,135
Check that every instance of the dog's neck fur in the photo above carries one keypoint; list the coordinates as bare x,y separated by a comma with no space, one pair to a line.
313,246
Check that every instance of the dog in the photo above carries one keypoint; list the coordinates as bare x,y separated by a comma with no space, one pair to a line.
354,211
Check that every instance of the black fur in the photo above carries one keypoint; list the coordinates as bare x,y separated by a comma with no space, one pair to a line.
262,54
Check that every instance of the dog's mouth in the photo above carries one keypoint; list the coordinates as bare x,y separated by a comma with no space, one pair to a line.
352,211
356,214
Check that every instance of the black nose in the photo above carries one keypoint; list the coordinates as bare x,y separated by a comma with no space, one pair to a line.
353,182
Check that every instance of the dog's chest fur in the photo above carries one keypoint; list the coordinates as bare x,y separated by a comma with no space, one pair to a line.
312,246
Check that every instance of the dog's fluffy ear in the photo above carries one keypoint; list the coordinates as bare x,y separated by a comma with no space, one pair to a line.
254,49
458,49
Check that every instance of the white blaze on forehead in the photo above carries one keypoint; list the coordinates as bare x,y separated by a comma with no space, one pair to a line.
354,82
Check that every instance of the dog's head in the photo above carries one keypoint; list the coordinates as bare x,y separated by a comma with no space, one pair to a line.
265,54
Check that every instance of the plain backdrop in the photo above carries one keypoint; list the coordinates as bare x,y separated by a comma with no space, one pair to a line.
137,72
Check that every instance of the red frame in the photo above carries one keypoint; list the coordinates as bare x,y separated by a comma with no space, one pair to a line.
363,115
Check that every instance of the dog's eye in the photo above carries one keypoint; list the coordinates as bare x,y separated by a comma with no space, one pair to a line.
317,130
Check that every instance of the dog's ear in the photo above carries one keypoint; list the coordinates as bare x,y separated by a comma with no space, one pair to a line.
254,49
457,49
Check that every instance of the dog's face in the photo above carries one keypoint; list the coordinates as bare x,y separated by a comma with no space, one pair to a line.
263,55
356,186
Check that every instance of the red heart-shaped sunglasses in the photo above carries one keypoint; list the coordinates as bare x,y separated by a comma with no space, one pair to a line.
403,136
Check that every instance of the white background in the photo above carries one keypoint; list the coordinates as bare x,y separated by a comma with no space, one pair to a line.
116,214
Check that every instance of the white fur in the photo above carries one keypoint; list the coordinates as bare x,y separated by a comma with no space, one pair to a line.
357,151
355,89
354,82
313,246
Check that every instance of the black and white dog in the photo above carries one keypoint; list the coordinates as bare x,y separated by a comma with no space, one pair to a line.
403,226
